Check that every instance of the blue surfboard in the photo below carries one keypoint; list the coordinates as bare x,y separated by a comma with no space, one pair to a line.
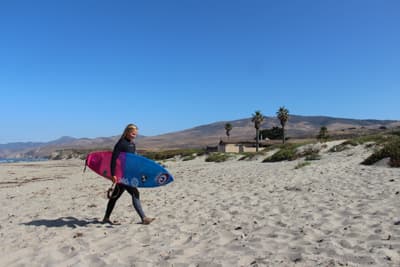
131,169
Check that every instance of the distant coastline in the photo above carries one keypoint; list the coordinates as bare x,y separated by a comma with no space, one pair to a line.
14,160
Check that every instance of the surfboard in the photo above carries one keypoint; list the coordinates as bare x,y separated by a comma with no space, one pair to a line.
131,169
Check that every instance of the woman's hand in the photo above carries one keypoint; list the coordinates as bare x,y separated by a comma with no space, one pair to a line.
114,179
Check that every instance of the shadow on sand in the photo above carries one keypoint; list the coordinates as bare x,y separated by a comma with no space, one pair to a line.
71,222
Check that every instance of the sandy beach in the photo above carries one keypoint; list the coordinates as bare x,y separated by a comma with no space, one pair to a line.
333,212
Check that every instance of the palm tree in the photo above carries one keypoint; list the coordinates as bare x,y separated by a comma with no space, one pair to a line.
283,117
257,118
323,134
228,128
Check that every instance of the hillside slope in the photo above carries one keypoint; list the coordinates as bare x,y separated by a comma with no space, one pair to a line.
206,135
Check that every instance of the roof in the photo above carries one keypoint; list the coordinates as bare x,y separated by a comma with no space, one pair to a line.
242,142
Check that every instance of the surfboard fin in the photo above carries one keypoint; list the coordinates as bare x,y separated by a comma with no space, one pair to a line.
84,169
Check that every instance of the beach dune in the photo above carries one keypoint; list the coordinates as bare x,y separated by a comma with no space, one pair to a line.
333,212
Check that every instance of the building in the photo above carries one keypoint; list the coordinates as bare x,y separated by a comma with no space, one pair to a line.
240,146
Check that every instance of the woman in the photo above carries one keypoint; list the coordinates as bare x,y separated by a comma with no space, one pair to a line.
125,144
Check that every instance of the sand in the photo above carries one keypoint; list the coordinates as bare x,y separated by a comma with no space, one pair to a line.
333,212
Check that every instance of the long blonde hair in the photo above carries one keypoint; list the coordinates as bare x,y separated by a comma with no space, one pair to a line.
128,128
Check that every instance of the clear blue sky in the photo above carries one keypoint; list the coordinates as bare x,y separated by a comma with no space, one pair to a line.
86,68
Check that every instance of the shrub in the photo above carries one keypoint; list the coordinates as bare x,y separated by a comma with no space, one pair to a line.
167,154
376,138
250,155
389,150
218,157
351,143
288,152
313,156
397,133
355,142
338,148
343,146
308,150
190,157
294,151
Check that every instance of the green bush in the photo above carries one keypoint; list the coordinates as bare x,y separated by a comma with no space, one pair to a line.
167,154
291,152
389,150
218,157
313,156
250,155
341,147
397,133
288,152
353,142
378,139
190,157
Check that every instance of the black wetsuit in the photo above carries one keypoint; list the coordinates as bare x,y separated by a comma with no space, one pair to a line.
123,145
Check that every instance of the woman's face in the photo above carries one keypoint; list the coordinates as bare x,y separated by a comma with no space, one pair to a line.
131,134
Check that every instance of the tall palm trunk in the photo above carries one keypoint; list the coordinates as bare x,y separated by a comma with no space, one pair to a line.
257,139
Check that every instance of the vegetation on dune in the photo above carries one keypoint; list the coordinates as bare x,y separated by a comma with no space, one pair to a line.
386,145
343,146
285,152
390,149
72,153
250,155
291,152
375,138
186,154
313,156
397,133
218,157
189,157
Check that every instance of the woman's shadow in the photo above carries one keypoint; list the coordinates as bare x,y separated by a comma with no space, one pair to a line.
71,222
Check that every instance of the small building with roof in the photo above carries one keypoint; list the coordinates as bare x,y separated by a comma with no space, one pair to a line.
228,146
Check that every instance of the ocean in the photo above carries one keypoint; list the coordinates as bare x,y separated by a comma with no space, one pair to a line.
13,160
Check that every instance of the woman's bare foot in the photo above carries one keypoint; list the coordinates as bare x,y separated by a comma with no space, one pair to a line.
147,220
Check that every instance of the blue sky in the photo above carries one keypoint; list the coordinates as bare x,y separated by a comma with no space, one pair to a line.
87,68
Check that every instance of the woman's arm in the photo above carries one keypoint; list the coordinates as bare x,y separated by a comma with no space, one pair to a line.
115,154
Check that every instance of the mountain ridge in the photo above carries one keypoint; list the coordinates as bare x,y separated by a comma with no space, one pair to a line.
298,126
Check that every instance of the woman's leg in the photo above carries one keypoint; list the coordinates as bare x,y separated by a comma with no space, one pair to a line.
118,190
136,201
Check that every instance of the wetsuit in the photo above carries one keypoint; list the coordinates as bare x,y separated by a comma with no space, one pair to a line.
123,145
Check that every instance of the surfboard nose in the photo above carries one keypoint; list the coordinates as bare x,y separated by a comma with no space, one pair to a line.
164,178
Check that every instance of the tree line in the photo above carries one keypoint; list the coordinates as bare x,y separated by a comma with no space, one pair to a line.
275,132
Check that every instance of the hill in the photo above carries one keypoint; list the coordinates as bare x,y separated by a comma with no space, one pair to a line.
206,135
